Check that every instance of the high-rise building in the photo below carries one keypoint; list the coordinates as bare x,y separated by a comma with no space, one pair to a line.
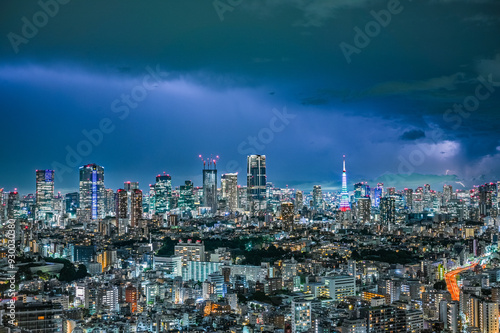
364,210
408,196
229,189
135,207
39,317
447,194
13,205
210,188
299,200
92,191
44,192
121,211
388,210
488,314
301,315
163,193
344,199
287,214
72,202
317,197
186,196
256,182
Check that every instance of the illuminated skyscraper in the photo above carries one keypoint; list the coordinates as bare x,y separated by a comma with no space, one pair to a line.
388,210
447,194
163,192
92,191
344,199
13,205
256,182
317,197
229,189
210,189
135,207
186,196
44,192
122,217
299,200
364,210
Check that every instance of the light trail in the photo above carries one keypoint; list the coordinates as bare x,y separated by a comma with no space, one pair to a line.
451,281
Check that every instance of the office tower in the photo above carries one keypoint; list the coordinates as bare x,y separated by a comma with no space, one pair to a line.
229,189
44,192
135,207
287,214
82,253
364,210
256,182
72,201
408,196
152,199
378,192
341,286
210,186
299,200
109,202
317,197
186,196
92,191
13,205
344,200
301,315
121,211
388,210
130,186
447,194
163,192
242,197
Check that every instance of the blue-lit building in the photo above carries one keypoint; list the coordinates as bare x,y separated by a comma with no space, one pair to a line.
92,191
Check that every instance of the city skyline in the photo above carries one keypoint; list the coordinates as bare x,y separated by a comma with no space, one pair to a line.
398,100
176,183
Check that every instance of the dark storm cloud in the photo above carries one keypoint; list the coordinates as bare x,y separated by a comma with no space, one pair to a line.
64,79
412,135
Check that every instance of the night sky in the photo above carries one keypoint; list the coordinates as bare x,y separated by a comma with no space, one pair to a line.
409,88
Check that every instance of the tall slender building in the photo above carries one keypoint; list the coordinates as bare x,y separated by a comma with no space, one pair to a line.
229,189
163,193
210,189
135,207
92,191
317,195
44,192
256,182
344,199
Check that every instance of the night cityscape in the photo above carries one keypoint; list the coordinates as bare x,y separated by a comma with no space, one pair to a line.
244,166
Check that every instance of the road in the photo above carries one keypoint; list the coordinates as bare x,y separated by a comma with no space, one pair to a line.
451,281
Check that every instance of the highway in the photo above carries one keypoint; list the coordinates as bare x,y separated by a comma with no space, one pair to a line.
451,281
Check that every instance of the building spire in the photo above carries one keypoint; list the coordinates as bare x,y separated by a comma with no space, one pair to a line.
344,199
